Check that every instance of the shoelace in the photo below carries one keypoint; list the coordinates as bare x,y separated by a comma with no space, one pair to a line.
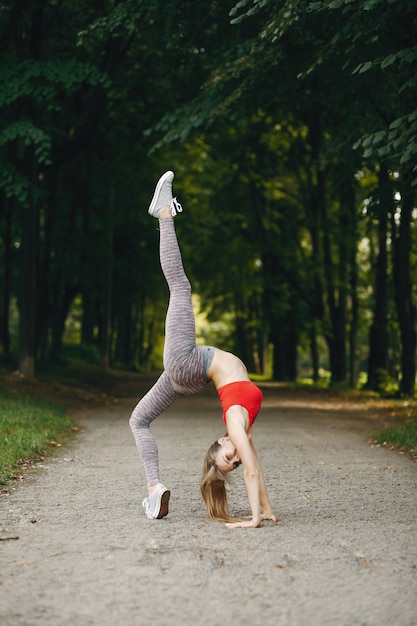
175,207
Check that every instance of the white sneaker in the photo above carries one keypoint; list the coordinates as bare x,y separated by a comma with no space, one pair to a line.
156,505
163,196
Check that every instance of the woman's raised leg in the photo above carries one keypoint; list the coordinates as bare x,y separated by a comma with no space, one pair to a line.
183,360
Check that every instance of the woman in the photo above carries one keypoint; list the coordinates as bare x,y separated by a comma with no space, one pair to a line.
188,369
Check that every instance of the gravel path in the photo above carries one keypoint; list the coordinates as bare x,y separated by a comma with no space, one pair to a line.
76,549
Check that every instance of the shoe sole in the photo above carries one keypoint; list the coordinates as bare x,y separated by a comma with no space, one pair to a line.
163,507
158,191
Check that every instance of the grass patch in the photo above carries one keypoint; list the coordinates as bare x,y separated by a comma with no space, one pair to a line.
403,437
28,427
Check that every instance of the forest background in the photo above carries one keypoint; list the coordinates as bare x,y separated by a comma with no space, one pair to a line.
291,126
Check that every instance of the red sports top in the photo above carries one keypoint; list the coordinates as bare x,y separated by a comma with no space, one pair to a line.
244,393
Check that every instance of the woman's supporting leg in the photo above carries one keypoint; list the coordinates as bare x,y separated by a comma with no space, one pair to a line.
183,360
155,402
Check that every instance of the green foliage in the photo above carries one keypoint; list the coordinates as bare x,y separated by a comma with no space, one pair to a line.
369,32
177,125
386,386
123,20
359,5
367,29
15,184
28,134
398,143
252,10
41,81
27,428
36,89
257,120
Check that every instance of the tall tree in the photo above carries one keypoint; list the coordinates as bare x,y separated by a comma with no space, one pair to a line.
31,99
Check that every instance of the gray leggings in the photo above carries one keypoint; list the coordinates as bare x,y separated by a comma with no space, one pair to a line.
186,365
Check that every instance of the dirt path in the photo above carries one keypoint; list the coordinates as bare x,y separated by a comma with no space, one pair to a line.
76,549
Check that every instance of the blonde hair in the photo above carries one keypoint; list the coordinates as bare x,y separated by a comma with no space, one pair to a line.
213,487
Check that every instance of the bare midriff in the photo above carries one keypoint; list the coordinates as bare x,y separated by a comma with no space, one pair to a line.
226,368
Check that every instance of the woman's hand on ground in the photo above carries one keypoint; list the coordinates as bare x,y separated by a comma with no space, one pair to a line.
244,524
265,515
269,515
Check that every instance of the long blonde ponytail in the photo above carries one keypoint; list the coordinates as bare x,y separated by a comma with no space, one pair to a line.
213,487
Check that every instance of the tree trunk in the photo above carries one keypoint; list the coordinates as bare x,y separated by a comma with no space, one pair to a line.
27,300
336,287
108,288
124,320
403,291
28,275
314,352
59,316
378,335
30,225
350,198
89,318
7,277
354,320
285,340
315,204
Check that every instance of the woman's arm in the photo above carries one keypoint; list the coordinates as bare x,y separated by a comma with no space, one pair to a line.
267,512
252,473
